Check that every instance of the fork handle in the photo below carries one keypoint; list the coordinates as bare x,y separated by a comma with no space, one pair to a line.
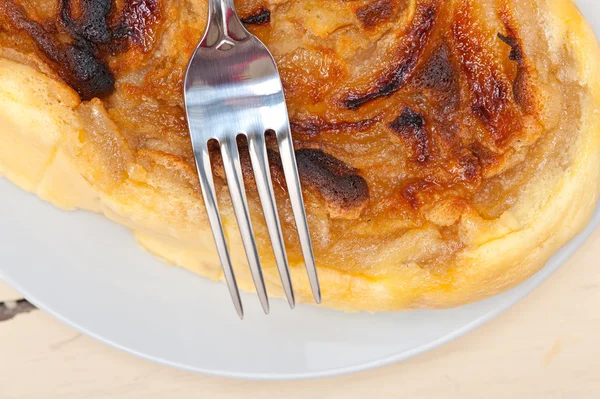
223,23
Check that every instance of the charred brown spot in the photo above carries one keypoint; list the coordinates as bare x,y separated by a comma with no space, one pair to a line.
262,16
438,80
374,13
520,92
78,59
410,127
391,81
313,126
516,53
77,63
345,192
138,22
92,24
438,73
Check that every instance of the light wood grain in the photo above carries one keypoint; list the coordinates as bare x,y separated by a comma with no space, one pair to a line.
546,347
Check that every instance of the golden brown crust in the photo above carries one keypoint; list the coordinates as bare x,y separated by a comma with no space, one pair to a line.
429,134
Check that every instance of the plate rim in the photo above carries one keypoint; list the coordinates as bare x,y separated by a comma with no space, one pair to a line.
523,290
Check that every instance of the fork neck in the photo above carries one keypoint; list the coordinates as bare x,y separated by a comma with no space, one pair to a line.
223,19
223,5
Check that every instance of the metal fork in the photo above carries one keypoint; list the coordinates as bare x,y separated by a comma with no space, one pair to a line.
232,88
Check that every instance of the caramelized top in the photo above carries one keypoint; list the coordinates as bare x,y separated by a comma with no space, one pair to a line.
405,113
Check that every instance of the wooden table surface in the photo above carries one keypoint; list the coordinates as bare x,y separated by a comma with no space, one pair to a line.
547,346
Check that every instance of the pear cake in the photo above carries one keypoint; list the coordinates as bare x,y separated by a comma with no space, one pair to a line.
447,148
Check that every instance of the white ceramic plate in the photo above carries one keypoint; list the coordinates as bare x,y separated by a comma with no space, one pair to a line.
90,274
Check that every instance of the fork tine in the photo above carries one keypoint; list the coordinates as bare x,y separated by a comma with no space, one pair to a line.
210,198
288,160
235,181
262,174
